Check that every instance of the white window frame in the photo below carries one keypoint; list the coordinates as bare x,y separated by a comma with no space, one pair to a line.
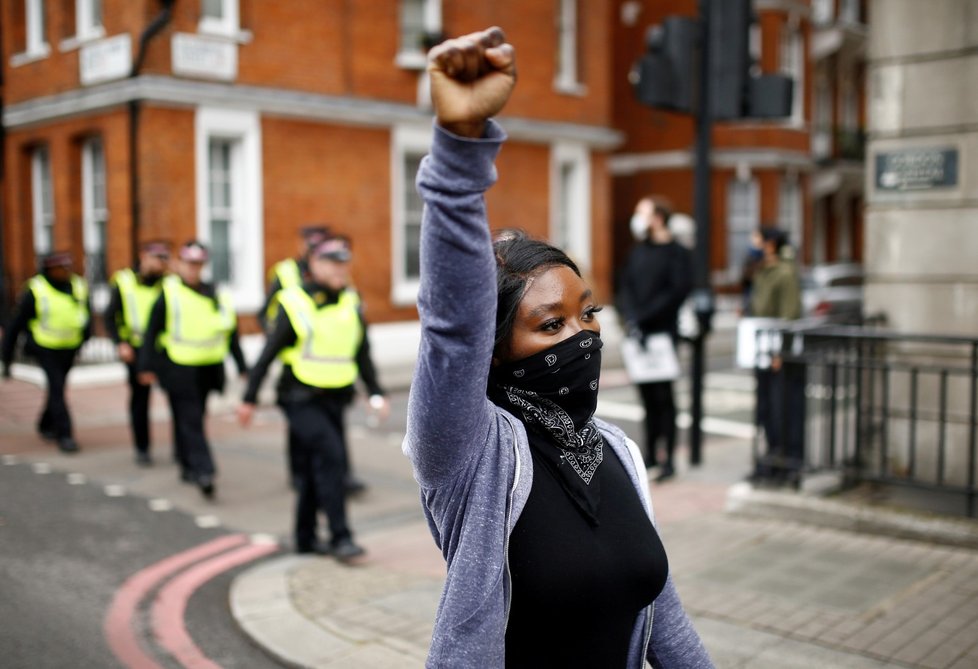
411,56
228,25
36,45
247,233
790,211
743,217
849,11
86,26
849,107
570,201
843,244
406,141
42,201
819,235
793,65
822,121
822,12
94,215
568,67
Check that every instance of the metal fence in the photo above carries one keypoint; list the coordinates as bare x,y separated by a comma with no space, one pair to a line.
878,406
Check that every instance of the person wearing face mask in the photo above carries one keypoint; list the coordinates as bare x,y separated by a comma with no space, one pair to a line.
753,262
134,292
192,328
321,334
55,312
653,284
540,509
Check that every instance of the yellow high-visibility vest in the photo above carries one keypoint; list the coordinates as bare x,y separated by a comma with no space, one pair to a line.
198,328
60,319
327,338
137,303
289,276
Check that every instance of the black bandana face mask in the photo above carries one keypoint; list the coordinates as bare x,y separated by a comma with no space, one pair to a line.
555,392
565,374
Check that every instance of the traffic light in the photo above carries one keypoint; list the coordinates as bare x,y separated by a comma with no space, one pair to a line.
666,75
728,33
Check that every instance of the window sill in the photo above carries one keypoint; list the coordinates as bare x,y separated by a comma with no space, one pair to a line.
78,41
235,36
411,60
574,88
405,293
26,57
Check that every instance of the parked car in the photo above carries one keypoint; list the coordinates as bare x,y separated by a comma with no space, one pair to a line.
833,292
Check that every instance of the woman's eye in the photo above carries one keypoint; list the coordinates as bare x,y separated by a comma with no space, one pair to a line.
590,312
552,325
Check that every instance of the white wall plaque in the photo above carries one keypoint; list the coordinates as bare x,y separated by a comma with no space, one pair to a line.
205,57
105,59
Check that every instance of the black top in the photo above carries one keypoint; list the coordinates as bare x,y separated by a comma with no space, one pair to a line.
24,312
578,588
113,317
176,377
653,285
283,336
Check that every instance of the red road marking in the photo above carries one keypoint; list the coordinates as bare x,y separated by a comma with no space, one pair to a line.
118,622
171,603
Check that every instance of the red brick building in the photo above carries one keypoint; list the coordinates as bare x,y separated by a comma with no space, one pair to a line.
239,121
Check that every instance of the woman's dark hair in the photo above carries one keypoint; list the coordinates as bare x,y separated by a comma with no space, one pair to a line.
519,258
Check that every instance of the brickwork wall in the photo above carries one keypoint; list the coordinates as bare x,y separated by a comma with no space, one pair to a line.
63,141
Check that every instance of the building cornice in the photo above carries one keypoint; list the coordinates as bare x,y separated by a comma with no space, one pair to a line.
624,164
278,102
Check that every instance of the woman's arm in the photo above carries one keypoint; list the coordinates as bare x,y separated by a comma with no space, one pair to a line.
448,414
675,642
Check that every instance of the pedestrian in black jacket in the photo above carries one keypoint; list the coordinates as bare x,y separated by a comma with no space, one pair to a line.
652,286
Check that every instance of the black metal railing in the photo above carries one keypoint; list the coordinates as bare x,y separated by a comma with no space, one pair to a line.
878,406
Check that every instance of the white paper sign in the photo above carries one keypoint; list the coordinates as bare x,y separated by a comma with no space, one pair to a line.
657,361
753,349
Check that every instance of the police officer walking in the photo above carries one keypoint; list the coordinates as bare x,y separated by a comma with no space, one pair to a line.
194,326
323,333
134,292
289,273
55,311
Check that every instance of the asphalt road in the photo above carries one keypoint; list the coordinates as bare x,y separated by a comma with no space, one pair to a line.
67,548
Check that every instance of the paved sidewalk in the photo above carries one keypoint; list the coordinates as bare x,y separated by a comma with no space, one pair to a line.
763,592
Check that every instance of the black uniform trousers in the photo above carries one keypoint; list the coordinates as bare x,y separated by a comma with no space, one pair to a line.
316,431
138,410
56,363
660,419
187,389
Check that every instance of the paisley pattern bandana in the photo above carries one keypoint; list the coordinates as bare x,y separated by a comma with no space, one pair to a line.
555,392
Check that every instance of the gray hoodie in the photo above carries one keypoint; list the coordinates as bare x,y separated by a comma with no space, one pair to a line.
470,457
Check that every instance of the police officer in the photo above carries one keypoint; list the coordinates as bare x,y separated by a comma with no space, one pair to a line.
284,274
134,292
323,332
289,273
55,311
194,327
